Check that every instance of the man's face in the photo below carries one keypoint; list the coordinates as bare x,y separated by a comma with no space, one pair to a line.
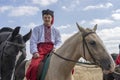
47,19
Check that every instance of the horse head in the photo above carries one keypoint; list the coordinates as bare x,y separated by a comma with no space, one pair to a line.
95,49
13,50
13,41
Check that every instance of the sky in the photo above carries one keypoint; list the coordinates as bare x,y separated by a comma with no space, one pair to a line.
27,15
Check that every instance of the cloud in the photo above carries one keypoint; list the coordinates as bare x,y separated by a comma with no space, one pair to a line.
5,8
116,14
19,11
101,21
112,33
23,11
111,38
64,27
44,2
116,11
107,5
30,25
71,6
82,22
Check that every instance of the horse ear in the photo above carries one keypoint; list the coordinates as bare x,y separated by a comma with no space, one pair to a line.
27,36
15,31
80,28
95,27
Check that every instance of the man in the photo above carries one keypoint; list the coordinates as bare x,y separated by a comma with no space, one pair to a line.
44,39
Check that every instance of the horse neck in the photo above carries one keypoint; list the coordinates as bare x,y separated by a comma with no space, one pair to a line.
70,50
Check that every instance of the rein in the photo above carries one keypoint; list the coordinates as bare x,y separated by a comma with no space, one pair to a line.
72,60
84,44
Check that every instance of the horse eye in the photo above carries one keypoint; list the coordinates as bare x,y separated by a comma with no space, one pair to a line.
92,42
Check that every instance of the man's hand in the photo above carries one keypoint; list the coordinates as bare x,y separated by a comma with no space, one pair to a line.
36,55
54,49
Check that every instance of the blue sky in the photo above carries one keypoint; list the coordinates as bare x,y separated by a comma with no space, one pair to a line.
27,14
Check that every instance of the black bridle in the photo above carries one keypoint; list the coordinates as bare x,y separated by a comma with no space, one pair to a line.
84,44
6,42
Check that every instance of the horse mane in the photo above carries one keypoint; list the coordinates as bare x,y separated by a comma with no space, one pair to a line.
6,29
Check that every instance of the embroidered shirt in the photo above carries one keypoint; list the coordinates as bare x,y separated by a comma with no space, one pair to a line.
38,36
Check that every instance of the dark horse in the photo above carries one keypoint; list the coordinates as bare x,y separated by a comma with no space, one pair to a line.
12,51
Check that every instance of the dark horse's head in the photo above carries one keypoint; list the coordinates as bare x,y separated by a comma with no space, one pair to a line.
12,50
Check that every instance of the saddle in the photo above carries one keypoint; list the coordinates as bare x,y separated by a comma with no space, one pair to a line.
41,68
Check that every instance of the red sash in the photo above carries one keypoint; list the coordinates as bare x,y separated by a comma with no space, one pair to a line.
43,49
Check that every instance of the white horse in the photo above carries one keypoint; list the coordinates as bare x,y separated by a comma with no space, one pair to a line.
85,43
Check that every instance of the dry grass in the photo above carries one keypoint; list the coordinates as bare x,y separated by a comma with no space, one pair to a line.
90,72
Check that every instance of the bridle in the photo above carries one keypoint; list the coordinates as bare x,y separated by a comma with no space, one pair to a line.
7,42
84,44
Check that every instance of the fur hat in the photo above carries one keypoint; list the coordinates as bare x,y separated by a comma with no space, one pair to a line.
48,11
